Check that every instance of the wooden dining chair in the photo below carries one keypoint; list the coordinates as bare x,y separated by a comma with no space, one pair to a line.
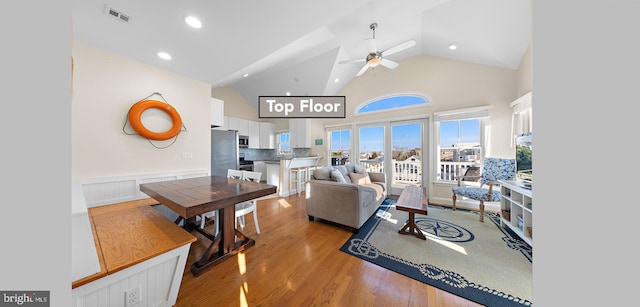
241,209
233,174
250,206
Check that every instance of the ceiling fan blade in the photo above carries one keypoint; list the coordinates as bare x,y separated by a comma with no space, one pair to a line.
388,64
399,47
362,70
351,61
371,45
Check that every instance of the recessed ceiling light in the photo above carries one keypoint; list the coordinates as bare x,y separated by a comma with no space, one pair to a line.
245,75
164,56
453,47
288,93
193,22
336,80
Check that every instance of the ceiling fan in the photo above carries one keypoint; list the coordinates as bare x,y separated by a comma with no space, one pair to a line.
375,57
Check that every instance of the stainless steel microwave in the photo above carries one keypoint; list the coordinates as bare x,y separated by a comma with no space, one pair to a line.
243,141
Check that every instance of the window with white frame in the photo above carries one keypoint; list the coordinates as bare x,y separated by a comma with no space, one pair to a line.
521,118
340,145
284,143
459,141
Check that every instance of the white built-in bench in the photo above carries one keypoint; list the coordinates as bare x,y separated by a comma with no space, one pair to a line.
122,240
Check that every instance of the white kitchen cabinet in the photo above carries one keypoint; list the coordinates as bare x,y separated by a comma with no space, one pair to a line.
254,134
267,135
217,113
300,132
239,124
225,124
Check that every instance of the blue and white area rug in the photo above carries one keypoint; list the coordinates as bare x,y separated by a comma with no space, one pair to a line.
481,262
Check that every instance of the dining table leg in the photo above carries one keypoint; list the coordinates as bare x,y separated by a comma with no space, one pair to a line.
227,243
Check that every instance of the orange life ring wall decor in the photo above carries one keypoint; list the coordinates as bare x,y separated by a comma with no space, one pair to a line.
135,120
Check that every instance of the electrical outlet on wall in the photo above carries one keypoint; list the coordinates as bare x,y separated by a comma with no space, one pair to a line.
132,297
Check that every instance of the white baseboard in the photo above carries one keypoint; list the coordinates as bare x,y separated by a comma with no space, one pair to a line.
466,203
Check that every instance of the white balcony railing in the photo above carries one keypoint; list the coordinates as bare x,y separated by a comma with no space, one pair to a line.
408,172
411,171
448,169
373,165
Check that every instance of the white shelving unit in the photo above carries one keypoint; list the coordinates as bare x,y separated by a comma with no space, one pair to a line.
516,207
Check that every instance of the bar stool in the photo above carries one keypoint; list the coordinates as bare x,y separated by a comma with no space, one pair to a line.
298,176
310,171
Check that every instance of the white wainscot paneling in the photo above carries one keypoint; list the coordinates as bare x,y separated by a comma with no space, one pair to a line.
158,280
111,190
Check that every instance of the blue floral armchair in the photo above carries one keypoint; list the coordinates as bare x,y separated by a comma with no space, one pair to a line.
494,169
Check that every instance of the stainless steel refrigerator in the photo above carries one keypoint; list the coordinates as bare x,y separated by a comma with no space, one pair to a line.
224,152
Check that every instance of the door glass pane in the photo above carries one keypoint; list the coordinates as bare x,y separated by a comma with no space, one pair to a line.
406,154
371,148
340,146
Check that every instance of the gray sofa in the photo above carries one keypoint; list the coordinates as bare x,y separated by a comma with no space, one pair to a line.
345,202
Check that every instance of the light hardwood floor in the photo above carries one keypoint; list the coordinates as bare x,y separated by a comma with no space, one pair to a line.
296,262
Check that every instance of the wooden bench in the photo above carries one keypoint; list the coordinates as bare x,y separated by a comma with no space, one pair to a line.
413,199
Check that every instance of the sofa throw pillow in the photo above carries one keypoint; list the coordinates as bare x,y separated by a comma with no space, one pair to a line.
351,168
323,173
336,176
360,169
359,178
345,173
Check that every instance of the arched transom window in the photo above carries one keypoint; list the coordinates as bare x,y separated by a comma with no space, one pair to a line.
392,102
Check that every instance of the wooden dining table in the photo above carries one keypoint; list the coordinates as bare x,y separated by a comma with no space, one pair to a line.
191,197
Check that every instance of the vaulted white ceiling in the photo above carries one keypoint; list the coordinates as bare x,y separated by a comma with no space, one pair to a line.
296,45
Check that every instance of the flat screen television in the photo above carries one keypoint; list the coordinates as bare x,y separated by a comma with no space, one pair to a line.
524,165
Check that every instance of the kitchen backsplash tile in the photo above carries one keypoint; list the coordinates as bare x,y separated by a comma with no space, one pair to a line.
254,154
301,152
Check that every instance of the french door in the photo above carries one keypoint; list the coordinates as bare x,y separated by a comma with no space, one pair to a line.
371,147
406,154
395,148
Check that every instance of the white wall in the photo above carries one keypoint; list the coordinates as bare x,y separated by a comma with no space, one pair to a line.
525,73
105,86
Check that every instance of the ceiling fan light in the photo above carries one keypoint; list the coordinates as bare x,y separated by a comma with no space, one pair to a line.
164,55
373,59
374,62
193,22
